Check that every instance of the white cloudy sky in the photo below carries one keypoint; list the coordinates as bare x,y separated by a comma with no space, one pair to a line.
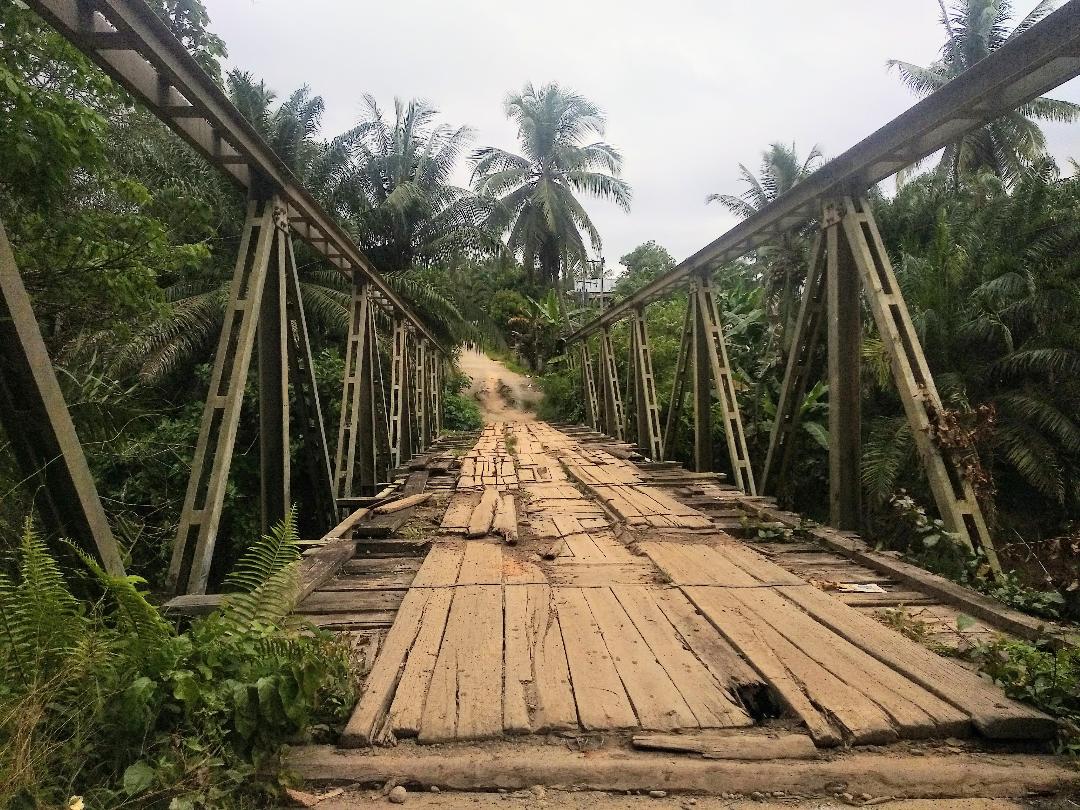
691,88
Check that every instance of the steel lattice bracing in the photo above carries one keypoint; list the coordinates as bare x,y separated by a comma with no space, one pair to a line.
848,259
264,317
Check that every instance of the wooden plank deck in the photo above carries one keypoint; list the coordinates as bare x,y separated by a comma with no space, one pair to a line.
650,619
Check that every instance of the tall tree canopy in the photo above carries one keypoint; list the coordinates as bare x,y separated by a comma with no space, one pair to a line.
404,209
535,191
782,262
1013,143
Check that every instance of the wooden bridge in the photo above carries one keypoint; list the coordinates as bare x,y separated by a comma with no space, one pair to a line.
557,586
562,580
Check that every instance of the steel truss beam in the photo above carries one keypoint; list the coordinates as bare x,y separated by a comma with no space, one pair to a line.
592,407
1024,68
711,361
612,412
36,420
137,49
648,412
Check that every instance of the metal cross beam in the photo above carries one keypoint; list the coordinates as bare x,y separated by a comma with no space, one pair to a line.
137,49
1026,67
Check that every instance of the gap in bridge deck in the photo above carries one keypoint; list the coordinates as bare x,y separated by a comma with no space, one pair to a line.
644,618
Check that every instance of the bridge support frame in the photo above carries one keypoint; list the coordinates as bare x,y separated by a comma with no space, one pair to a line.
264,309
612,405
678,383
38,424
712,367
649,439
856,256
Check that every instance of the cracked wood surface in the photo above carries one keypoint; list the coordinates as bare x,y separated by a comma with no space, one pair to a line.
649,618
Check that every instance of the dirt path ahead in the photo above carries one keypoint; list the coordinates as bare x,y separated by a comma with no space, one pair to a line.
500,392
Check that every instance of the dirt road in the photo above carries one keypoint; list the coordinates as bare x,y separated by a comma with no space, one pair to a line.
503,395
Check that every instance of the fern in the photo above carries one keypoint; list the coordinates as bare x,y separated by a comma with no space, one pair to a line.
886,452
40,621
135,617
266,578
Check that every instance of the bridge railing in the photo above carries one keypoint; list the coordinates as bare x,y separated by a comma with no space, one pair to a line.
264,317
848,260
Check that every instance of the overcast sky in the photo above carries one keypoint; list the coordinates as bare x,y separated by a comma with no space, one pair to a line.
691,88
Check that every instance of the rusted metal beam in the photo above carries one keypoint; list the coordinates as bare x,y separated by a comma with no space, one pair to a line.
1029,65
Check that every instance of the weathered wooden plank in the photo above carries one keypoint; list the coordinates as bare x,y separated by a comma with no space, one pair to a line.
992,713
537,695
378,693
440,567
657,702
731,746
708,698
601,700
409,698
351,601
464,699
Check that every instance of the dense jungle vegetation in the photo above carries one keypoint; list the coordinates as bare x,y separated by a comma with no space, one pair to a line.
126,241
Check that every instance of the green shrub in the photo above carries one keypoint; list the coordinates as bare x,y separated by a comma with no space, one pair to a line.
459,411
563,398
112,702
1048,679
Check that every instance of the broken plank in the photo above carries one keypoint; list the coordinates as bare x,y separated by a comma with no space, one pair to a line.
482,516
707,697
755,747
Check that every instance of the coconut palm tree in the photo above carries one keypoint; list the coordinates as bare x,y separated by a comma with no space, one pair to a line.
783,261
404,209
535,192
1013,143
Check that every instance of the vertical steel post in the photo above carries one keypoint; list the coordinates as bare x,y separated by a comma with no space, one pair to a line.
648,412
196,536
783,437
708,318
588,384
274,466
38,424
678,383
401,419
702,385
845,363
609,381
309,414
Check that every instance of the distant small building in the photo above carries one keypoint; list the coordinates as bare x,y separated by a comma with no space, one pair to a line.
592,291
